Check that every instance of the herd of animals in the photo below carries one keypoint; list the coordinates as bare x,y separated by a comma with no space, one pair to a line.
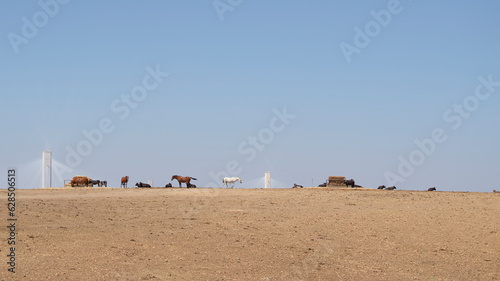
86,181
353,184
82,180
180,179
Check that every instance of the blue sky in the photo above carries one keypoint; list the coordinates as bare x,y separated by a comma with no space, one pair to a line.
233,73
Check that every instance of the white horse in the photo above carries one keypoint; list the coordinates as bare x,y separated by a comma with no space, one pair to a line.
232,180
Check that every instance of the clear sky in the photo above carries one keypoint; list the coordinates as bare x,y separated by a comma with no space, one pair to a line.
384,92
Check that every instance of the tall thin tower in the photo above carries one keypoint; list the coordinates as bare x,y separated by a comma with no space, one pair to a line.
267,179
47,168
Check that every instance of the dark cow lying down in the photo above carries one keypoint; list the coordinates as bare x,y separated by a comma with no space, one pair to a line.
141,184
391,188
297,186
431,189
381,187
168,185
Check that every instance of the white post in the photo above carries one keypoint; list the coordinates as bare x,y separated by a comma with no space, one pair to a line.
47,164
267,179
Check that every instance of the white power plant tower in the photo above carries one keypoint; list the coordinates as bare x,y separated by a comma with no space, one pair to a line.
47,168
267,180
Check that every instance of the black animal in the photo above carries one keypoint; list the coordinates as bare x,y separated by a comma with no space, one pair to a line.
94,182
191,185
381,187
349,182
141,184
391,188
431,189
322,185
103,184
297,186
168,185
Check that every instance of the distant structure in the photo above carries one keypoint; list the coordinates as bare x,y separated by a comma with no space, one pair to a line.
334,181
46,168
267,180
150,182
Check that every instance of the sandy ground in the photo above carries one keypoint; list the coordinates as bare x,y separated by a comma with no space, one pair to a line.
221,234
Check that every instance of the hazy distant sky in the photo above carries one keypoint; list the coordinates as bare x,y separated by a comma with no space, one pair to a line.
303,89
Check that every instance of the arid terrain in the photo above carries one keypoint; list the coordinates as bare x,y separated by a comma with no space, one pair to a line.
253,234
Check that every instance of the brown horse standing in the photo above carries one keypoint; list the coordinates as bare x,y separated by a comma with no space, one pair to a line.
180,179
124,181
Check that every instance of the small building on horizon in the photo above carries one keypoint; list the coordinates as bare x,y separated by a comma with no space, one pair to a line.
336,181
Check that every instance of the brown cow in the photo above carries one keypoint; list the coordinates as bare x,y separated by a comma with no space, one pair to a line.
494,191
79,180
124,181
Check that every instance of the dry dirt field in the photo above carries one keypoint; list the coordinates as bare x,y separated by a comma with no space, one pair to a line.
253,234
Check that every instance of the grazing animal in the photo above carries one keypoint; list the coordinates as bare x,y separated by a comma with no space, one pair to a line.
103,184
391,188
141,184
180,179
79,180
168,185
232,180
94,182
494,191
381,187
431,189
297,186
124,182
349,182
